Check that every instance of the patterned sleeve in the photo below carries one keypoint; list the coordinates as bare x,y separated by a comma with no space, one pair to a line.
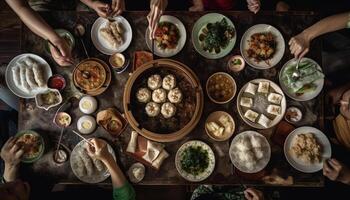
126,192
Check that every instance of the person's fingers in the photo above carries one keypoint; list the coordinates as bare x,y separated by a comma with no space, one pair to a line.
304,53
10,142
335,162
96,143
15,148
114,4
247,195
90,149
298,51
335,166
291,41
19,153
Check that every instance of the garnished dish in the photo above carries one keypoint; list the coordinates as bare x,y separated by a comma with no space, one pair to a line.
236,63
88,104
87,169
48,99
86,124
195,161
306,148
112,121
220,126
307,81
32,144
262,46
167,35
163,100
293,114
27,75
60,156
216,36
221,87
213,35
113,36
63,119
170,37
261,103
90,75
250,152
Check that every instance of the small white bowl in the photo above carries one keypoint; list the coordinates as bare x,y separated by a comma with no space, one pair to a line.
88,104
86,124
41,104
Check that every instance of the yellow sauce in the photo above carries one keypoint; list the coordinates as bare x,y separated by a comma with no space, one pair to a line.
86,105
86,125
117,61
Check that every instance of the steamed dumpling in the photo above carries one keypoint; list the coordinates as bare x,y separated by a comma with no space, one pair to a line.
169,82
154,82
159,95
168,110
152,109
175,95
143,95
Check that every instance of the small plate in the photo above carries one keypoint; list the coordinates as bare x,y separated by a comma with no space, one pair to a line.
262,162
214,117
259,101
279,49
131,175
96,177
203,175
101,44
295,162
200,23
9,77
180,44
306,96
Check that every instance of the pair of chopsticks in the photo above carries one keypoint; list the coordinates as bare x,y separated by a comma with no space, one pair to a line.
78,134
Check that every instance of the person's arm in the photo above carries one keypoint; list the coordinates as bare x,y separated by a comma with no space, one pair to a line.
253,194
102,9
36,24
122,189
11,154
157,8
254,5
197,6
299,44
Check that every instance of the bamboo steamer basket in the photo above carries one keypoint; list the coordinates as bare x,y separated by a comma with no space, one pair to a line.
193,79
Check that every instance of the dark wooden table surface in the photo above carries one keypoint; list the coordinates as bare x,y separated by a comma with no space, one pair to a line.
31,117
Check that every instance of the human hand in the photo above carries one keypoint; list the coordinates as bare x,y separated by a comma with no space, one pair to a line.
99,150
157,9
336,171
254,5
11,152
63,57
118,6
299,45
102,9
253,194
197,6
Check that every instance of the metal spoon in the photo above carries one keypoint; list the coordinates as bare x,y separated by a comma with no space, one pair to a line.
296,73
79,31
62,126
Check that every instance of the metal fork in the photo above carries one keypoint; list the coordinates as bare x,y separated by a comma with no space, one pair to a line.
296,73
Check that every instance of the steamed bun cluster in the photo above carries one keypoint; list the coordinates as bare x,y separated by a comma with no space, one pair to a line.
160,96
249,150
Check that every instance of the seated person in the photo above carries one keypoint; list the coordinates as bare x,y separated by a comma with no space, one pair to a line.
336,171
299,45
201,5
14,189
206,192
36,24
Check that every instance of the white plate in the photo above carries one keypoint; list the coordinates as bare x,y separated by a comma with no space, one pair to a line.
279,49
295,162
261,163
96,177
9,78
306,96
199,25
101,44
206,173
181,43
260,104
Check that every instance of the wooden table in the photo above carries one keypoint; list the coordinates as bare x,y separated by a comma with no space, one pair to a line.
289,24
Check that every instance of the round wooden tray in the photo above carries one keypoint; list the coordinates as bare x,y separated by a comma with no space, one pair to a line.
198,93
104,86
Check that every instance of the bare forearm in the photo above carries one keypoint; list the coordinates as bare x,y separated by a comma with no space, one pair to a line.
328,24
10,173
118,178
32,20
87,2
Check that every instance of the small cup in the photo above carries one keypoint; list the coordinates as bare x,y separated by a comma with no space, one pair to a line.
57,81
118,62
236,63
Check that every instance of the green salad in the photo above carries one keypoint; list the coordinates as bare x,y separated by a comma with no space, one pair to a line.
194,160
216,36
309,73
